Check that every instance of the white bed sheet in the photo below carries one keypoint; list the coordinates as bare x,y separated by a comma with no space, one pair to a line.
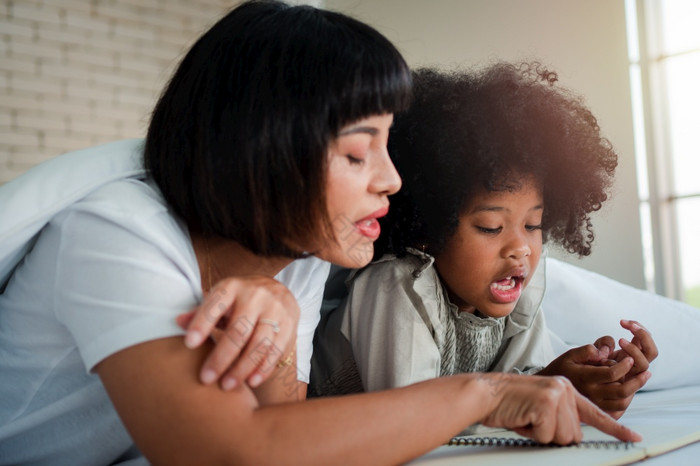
672,407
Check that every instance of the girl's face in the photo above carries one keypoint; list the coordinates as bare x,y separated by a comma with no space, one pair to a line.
360,178
494,253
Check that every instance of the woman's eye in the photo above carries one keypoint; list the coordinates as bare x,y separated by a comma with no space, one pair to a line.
533,227
490,231
355,160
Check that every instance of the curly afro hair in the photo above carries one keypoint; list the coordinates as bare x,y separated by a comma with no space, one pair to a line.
470,131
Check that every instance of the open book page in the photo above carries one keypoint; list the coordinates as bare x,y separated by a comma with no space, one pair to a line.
508,448
668,420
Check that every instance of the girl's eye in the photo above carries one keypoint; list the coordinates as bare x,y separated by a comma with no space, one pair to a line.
490,231
354,160
533,227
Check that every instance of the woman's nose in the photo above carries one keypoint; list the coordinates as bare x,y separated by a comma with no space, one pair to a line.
386,180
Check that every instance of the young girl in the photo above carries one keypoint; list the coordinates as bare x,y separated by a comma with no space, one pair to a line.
272,129
494,164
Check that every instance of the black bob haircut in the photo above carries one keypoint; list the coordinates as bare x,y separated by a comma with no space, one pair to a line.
238,141
488,130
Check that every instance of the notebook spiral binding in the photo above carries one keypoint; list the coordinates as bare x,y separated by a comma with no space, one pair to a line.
517,442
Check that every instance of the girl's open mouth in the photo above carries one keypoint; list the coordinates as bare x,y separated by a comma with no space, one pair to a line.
507,290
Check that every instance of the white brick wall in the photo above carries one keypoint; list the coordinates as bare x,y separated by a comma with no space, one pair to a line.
75,73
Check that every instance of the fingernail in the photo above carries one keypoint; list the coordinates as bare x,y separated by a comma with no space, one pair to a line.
208,376
648,375
229,383
255,380
192,339
624,342
635,436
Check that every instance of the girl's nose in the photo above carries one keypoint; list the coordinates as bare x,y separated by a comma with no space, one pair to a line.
517,247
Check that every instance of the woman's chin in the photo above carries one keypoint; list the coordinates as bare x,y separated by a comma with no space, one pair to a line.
352,256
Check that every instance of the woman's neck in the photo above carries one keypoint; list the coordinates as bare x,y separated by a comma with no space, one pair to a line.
220,258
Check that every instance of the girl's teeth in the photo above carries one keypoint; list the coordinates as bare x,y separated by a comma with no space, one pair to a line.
504,285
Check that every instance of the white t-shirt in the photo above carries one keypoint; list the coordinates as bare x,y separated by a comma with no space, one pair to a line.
107,272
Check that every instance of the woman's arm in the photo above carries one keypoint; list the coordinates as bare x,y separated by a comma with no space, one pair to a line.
176,420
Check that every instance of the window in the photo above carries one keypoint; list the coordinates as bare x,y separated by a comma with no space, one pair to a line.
664,49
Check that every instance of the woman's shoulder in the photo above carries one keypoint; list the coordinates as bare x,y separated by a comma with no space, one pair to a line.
307,272
131,212
130,199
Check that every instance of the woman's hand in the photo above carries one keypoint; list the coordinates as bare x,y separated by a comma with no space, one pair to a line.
547,409
253,321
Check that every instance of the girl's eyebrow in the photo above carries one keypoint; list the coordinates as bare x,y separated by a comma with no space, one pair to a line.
359,129
496,208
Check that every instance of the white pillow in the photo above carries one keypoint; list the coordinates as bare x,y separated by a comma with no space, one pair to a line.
580,306
28,202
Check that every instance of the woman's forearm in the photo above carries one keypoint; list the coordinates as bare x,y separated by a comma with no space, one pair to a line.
385,427
175,419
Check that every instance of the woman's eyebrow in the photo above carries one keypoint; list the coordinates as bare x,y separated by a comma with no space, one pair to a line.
360,129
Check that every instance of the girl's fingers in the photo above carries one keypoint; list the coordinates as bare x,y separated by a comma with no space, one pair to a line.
589,378
642,338
640,361
633,326
612,372
614,392
605,345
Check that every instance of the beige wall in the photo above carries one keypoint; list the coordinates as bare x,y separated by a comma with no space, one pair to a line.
74,73
584,40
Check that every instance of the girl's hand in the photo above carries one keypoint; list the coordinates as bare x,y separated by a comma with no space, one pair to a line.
253,321
642,349
602,380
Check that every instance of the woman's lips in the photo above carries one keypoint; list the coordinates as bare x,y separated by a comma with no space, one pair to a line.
369,226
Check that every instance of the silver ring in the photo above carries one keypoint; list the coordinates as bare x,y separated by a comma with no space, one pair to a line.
274,324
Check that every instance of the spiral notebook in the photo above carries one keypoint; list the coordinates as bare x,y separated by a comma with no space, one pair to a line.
508,448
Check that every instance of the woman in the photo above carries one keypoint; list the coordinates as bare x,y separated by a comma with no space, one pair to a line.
265,157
